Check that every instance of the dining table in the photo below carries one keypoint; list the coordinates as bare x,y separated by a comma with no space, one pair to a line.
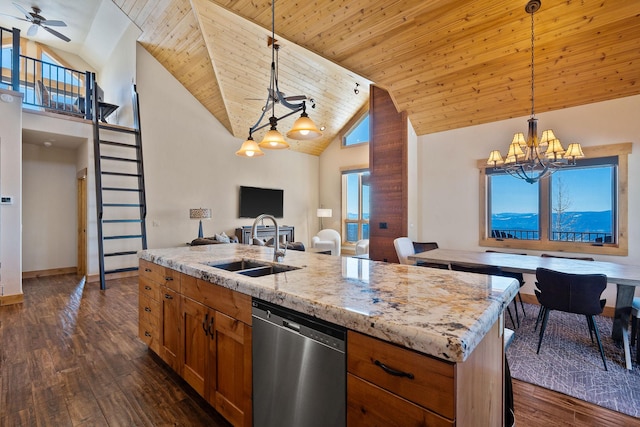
625,276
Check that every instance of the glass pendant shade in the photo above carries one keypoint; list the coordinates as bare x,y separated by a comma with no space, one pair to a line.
303,129
249,149
273,140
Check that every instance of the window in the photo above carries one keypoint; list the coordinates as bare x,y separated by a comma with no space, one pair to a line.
355,202
358,134
582,208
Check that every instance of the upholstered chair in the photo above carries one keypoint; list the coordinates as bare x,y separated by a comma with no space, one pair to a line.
327,239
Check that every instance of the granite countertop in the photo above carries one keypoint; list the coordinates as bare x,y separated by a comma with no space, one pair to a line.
437,312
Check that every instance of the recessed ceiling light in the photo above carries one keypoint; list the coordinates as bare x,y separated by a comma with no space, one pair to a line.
47,144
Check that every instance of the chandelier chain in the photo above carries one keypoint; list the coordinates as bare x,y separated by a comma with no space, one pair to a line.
532,68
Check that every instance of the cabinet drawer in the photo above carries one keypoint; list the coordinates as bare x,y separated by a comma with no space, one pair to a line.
370,405
149,311
224,300
429,382
148,288
159,274
150,335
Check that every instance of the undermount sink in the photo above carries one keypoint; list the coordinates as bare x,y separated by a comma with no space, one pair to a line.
252,268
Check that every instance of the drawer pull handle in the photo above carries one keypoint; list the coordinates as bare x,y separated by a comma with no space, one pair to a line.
392,371
147,309
147,287
148,270
168,279
212,331
147,334
167,296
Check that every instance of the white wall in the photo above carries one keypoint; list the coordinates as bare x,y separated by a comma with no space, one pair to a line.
448,177
49,206
333,160
11,185
190,162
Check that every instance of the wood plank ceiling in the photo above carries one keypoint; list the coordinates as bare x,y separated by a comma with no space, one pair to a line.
447,63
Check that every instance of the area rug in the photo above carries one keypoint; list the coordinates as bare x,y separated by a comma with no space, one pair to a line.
569,363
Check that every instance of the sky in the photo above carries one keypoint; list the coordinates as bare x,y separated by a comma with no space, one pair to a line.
590,190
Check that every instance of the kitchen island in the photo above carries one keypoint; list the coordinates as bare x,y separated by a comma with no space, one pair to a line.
446,322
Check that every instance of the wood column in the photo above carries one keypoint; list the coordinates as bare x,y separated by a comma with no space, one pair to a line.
388,169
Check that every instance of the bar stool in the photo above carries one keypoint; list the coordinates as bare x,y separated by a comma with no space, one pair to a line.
635,329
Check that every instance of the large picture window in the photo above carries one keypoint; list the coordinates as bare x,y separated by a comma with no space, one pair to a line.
582,208
355,202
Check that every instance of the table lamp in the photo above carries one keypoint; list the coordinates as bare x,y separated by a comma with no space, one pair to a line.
324,213
200,213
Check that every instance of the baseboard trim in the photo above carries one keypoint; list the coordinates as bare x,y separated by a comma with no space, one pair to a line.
531,299
11,299
93,278
49,272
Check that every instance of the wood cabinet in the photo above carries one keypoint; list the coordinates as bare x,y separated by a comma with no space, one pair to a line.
203,331
389,385
159,306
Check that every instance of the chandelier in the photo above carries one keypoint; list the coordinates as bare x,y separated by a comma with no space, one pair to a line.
303,128
533,158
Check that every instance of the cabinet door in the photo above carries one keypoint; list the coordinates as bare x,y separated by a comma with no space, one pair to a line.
170,337
197,327
229,373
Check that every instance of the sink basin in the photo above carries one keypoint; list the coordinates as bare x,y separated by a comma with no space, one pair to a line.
238,265
253,268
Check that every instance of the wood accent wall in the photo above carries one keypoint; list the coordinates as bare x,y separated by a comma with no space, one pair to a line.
388,169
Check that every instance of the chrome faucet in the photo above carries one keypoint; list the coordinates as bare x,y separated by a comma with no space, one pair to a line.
278,254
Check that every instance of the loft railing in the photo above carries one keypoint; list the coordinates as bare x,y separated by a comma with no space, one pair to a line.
46,86
559,236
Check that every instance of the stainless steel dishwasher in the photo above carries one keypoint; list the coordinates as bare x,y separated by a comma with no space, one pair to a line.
299,369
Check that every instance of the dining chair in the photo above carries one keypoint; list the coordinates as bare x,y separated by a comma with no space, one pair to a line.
571,293
404,249
424,247
540,313
635,326
520,278
488,270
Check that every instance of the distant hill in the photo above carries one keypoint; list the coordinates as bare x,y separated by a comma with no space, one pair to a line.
593,222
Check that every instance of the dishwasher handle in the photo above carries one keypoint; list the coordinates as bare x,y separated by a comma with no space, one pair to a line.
290,325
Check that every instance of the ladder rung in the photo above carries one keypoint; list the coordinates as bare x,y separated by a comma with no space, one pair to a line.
116,128
126,236
123,205
119,159
120,189
121,270
121,253
118,144
120,220
121,174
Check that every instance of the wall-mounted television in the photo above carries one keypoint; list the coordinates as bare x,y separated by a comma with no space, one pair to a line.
255,201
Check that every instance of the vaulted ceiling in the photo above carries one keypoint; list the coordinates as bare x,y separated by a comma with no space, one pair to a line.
448,63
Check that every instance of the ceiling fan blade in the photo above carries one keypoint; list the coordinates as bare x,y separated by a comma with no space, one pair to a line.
23,10
57,34
54,23
33,29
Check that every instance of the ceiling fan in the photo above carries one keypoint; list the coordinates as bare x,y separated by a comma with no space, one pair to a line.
38,20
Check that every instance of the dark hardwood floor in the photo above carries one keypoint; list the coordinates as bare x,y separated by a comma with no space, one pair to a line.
70,356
